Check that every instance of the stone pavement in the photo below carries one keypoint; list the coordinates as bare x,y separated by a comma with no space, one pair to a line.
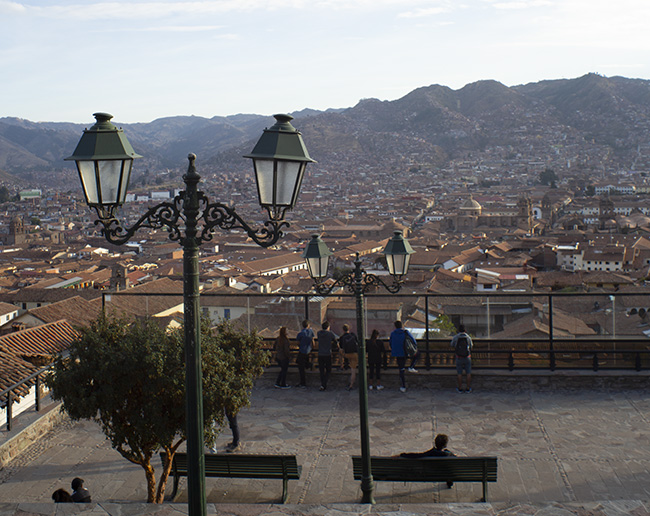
567,444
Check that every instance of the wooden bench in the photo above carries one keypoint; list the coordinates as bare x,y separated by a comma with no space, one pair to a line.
431,469
283,467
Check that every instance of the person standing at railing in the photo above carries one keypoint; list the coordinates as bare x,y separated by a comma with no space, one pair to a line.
327,343
462,344
282,356
375,349
397,338
350,349
305,340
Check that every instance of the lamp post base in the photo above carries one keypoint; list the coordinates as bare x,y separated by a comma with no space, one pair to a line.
367,488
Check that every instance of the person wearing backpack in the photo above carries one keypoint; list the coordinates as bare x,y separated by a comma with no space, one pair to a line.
462,344
398,350
305,340
350,349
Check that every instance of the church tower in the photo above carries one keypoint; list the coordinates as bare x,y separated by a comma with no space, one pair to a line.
119,280
525,214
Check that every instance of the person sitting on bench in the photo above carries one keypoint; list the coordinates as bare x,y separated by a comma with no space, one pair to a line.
439,450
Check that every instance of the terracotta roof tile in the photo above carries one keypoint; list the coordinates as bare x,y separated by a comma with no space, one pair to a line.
76,310
48,339
13,369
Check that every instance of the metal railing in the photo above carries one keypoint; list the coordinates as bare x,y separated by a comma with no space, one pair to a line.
22,385
610,347
558,345
436,354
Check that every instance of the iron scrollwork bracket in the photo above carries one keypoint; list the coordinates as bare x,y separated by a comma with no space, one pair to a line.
358,282
164,215
168,215
219,215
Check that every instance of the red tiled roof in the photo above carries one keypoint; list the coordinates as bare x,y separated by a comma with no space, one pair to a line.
13,369
48,339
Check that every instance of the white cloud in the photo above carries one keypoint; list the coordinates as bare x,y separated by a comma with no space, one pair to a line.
522,4
173,28
423,12
11,7
145,9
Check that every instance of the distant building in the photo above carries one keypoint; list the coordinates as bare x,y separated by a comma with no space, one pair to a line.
29,194
471,216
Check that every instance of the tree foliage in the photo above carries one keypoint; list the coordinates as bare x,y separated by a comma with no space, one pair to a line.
548,177
6,196
130,378
442,325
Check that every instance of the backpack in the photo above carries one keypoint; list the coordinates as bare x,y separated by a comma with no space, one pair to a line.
410,346
462,346
348,342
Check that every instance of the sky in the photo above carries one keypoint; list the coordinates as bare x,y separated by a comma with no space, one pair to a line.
139,60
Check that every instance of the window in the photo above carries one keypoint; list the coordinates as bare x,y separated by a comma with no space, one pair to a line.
226,314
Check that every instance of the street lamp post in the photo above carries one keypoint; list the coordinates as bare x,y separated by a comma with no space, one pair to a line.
358,282
104,158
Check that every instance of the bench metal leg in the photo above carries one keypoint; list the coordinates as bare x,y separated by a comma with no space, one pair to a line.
285,489
176,480
484,499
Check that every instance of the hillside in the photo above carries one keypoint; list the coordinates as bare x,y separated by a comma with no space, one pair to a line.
430,125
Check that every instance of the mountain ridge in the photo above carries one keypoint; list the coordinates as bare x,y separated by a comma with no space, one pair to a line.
434,122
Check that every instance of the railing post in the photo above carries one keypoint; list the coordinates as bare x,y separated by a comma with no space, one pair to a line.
595,362
37,401
10,402
551,352
427,360
511,361
306,298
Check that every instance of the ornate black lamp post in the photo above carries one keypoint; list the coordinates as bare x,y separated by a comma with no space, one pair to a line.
398,253
104,158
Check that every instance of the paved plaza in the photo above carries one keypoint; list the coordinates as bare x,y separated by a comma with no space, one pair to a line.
561,440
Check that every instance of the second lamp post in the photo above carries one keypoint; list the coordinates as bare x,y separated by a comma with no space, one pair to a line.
357,281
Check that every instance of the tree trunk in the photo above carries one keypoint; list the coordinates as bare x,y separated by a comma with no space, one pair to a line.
151,481
167,468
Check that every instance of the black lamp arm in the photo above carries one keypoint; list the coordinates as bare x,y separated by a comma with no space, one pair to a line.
163,215
348,281
210,216
372,281
222,216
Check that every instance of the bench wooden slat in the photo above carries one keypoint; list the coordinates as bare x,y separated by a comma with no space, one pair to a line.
283,467
430,469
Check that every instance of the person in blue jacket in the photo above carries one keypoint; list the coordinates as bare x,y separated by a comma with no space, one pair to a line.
305,340
397,338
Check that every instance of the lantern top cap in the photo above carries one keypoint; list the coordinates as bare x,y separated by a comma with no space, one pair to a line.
103,141
283,123
316,248
398,245
103,123
282,141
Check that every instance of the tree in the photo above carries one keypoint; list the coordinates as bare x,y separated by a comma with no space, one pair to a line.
5,196
130,378
548,177
442,326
